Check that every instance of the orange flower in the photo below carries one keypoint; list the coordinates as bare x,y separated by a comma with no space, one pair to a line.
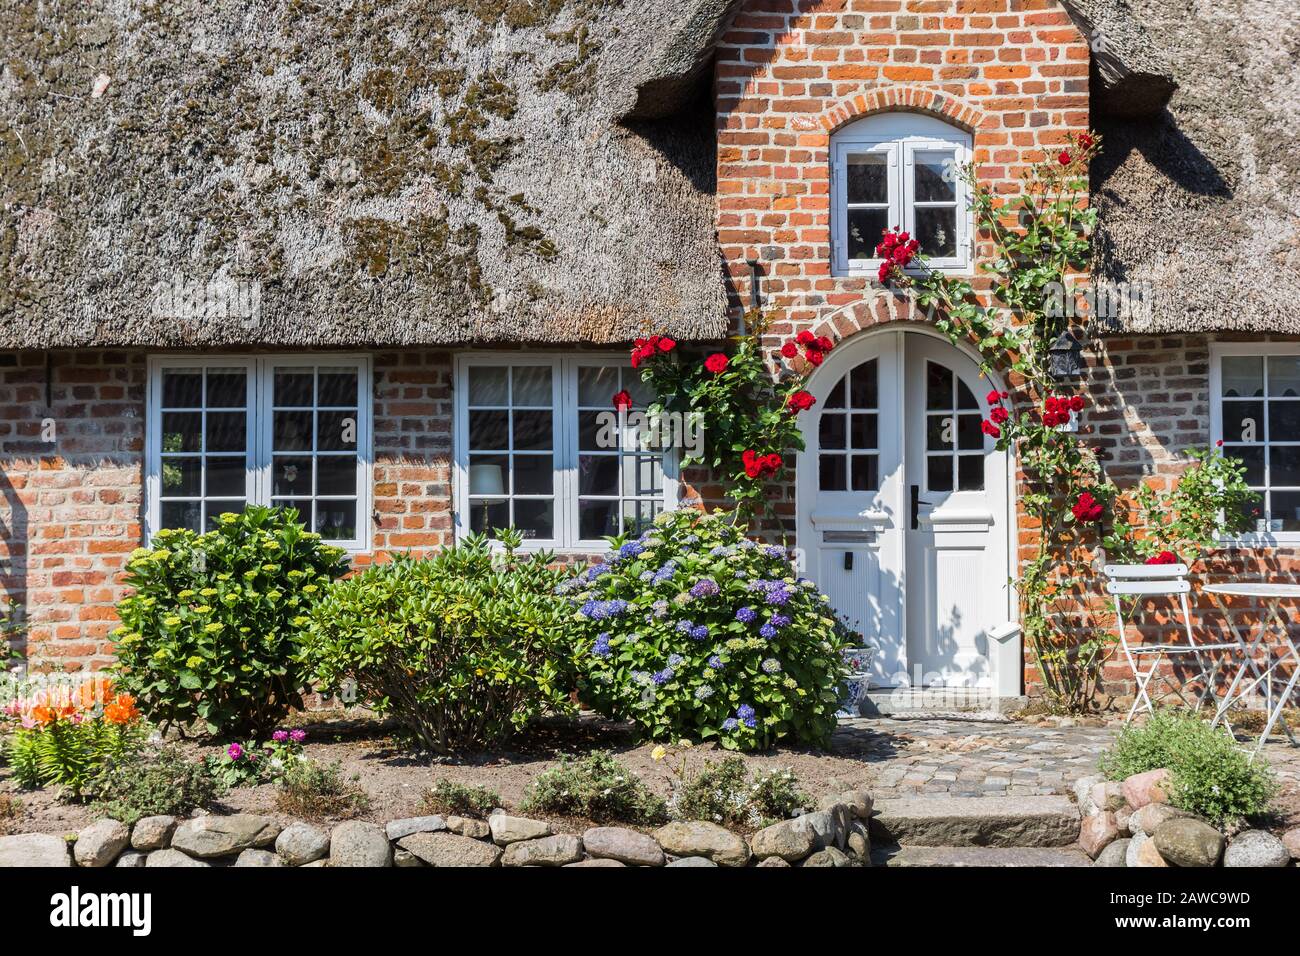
45,714
121,710
93,693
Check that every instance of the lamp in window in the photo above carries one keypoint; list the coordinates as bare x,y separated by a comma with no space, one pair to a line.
487,485
1065,356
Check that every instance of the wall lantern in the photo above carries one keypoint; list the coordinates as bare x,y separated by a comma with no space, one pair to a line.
1065,356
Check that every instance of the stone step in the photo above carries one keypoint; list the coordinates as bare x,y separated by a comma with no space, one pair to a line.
978,856
942,821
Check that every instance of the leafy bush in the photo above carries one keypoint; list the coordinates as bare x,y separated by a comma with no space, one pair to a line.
598,787
211,633
461,800
462,649
1210,775
319,791
725,794
65,736
153,782
694,631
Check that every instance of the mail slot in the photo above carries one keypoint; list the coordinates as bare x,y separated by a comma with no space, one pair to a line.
848,537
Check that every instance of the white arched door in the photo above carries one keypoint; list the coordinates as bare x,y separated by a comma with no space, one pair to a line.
903,515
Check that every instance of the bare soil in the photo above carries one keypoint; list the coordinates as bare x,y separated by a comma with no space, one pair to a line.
395,780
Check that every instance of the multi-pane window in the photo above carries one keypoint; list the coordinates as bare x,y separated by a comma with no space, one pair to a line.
899,171
1258,419
848,430
541,448
274,431
954,441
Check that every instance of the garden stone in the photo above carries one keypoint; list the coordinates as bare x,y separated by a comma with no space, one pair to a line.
213,836
34,849
173,857
828,857
698,838
790,840
130,859
153,833
1124,819
1131,853
466,826
1291,840
448,849
1097,832
1144,788
397,829
1083,793
1114,853
1107,795
858,842
1148,819
774,861
693,861
302,843
100,843
1184,841
624,845
406,859
356,843
507,829
1148,855
1256,848
828,828
596,861
859,803
321,863
258,858
545,851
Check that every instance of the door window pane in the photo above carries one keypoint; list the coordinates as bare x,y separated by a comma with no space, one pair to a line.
865,227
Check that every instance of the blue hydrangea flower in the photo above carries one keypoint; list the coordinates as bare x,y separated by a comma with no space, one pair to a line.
780,620
703,692
746,715
600,610
749,545
646,577
715,662
730,723
684,627
746,615
675,660
659,608
595,571
601,647
631,550
771,666
663,676
700,632
691,539
774,551
767,631
567,585
705,587
665,573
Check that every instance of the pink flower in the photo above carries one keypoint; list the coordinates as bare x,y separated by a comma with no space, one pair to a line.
234,751
297,736
280,736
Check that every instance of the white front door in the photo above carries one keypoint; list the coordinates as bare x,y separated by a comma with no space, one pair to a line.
903,507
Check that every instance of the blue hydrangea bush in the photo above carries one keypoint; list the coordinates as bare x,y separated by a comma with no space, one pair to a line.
692,630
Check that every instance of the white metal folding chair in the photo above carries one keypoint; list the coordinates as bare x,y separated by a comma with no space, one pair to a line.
1142,580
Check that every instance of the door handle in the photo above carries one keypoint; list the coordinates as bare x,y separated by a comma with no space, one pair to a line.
915,507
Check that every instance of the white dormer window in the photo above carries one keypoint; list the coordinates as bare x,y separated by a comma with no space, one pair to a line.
900,170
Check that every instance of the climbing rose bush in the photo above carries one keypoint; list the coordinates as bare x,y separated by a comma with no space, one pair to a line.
694,631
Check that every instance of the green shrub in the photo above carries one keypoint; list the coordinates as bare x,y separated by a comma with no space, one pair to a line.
694,631
1209,774
598,787
320,791
776,794
462,649
461,800
725,794
157,781
211,633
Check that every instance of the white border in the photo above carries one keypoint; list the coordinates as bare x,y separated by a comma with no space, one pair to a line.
565,390
257,462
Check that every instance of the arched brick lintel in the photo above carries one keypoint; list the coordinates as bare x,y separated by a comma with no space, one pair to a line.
911,99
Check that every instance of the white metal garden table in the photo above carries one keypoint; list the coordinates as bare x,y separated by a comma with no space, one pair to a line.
1276,655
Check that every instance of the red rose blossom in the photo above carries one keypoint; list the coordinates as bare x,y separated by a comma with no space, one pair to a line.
805,338
789,350
622,400
999,415
715,363
988,428
1087,508
825,344
1164,557
1085,141
815,357
800,401
1064,158
666,344
993,397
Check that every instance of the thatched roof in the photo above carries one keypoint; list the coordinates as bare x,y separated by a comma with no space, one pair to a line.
348,172
1200,204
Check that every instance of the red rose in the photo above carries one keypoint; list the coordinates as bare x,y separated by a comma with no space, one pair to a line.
666,344
789,350
825,344
715,363
999,414
1085,141
1076,403
815,357
1087,508
993,397
990,429
883,274
800,401
805,338
622,400
1051,404
1064,158
1164,557
1219,443
772,463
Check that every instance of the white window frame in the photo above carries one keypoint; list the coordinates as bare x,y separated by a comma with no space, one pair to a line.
258,478
1218,350
564,383
900,136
